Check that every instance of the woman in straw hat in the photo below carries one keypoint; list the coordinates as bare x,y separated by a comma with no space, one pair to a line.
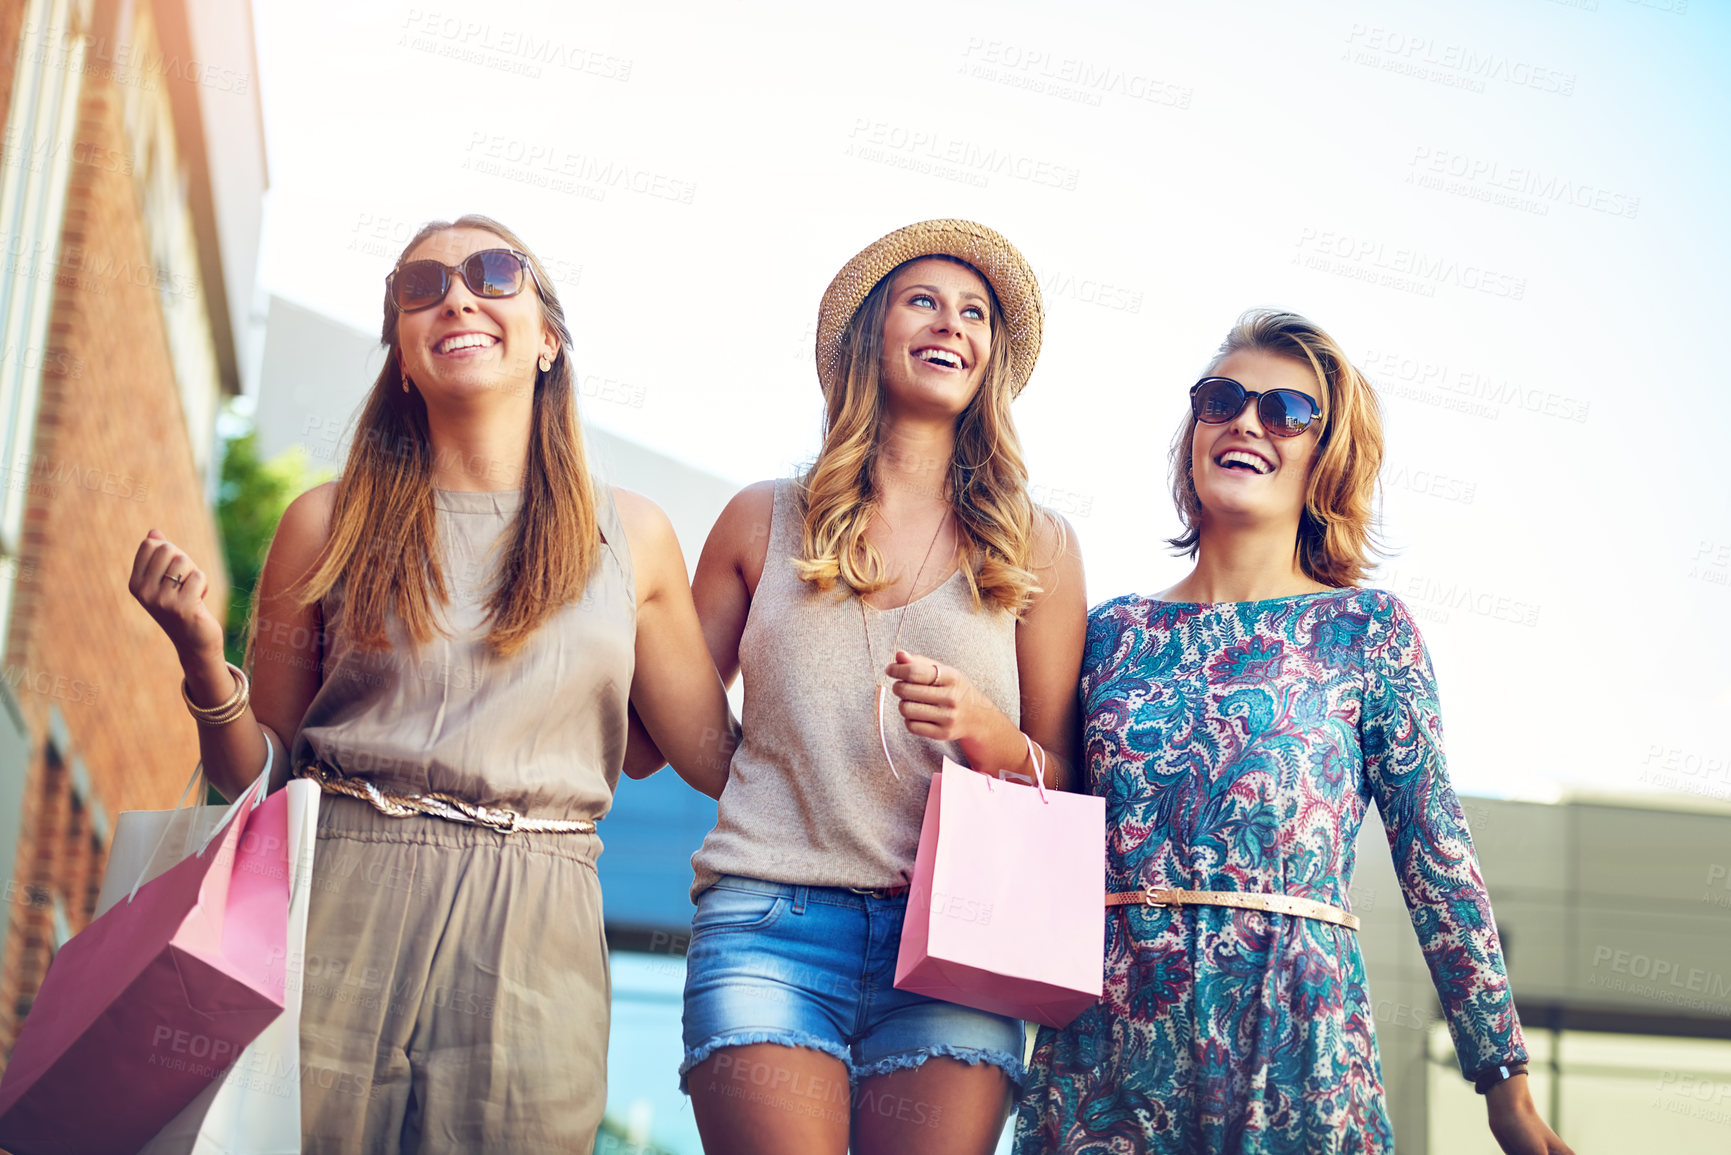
1240,725
906,569
446,639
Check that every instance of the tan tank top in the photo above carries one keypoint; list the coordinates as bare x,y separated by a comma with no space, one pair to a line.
810,798
542,732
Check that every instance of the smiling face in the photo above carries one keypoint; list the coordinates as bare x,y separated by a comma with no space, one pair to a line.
1241,473
465,344
937,335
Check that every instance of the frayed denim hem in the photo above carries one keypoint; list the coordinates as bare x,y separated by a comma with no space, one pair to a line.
745,1038
1010,1064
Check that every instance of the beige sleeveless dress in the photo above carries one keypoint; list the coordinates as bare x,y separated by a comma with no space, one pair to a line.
456,994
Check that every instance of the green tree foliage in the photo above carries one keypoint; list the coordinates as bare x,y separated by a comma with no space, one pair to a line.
250,502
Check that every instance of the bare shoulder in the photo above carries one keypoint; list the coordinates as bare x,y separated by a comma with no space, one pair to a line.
649,533
301,535
640,516
750,509
305,527
1055,545
741,534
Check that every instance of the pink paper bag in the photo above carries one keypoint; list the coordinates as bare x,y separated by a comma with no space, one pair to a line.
149,1003
1006,911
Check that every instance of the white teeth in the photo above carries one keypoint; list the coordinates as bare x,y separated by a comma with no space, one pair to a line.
465,341
941,357
1242,458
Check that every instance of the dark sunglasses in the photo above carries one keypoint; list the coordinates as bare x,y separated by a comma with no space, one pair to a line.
1283,412
490,273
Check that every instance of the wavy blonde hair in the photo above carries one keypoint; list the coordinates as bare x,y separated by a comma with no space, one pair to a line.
987,482
1337,530
383,547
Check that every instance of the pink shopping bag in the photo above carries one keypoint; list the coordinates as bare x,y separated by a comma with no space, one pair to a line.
1006,908
155,998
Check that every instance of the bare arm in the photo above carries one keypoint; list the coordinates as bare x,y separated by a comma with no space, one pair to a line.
286,651
1049,642
679,702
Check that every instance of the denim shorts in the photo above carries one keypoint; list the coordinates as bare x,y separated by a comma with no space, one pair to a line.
814,966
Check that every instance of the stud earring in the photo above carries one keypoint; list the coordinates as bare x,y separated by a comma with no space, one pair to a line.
546,362
405,378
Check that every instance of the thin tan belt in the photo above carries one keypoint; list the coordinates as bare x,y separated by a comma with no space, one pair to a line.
1272,903
446,806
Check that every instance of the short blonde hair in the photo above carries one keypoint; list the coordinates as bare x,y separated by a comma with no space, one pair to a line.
1337,530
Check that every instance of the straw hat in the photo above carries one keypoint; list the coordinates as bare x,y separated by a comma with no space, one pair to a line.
1021,314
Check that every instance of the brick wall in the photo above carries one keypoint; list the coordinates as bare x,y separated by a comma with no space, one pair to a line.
112,461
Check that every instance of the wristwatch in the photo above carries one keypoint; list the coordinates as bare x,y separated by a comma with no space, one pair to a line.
1491,1076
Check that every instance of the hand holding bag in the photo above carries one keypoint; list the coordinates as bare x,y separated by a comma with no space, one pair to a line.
1005,908
255,1107
149,1003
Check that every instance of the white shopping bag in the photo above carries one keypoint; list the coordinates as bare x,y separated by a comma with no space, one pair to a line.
254,1108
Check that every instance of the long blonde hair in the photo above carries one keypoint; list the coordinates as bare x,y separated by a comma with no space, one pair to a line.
987,482
383,548
1337,529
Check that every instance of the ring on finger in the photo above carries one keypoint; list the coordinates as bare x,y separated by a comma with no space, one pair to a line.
934,680
178,581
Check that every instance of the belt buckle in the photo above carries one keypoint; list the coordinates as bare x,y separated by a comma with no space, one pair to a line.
500,818
1157,896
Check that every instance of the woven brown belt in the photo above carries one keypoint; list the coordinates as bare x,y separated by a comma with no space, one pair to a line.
446,806
1272,903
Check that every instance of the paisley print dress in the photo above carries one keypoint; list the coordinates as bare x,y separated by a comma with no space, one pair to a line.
1238,747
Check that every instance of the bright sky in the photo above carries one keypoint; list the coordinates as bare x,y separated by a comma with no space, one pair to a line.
1509,211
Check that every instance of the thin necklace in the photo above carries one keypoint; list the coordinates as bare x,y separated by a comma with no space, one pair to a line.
877,673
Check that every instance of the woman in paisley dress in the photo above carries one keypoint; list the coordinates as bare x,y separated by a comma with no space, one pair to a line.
1240,725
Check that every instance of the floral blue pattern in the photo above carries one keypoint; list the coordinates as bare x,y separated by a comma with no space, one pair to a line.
1238,747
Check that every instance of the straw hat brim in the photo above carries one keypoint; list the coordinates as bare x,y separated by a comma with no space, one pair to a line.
1021,313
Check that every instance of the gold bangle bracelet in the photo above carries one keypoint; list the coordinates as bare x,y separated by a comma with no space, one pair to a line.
228,711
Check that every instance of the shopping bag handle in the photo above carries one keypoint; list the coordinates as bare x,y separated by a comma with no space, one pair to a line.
1036,755
252,791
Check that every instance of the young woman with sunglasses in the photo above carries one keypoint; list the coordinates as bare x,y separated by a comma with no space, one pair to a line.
901,601
1240,725
450,632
